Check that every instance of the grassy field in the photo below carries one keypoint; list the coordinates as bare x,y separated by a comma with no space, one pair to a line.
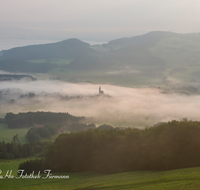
174,180
7,134
59,62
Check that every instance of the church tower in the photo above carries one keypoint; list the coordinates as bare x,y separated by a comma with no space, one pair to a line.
100,91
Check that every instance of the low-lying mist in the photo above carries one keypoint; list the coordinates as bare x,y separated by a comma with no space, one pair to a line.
124,107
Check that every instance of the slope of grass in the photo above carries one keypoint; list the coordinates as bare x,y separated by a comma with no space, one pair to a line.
7,134
58,62
176,179
6,165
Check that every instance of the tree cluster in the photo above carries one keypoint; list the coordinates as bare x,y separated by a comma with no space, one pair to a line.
30,118
36,165
171,145
8,77
35,134
77,127
15,150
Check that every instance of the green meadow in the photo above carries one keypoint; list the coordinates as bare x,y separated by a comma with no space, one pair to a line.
174,180
59,62
7,134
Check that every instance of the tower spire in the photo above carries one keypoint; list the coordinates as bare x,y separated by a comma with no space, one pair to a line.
100,91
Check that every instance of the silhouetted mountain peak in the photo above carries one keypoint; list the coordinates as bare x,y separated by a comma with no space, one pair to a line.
73,42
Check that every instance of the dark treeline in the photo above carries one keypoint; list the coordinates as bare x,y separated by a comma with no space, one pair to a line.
8,77
35,134
15,150
77,127
171,145
30,118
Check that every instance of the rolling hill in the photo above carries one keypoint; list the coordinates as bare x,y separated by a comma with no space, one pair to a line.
152,58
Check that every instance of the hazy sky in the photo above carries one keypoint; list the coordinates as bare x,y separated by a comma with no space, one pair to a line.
96,20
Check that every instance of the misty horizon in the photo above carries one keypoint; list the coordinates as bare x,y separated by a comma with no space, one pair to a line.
101,20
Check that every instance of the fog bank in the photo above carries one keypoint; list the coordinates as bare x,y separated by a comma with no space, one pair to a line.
130,107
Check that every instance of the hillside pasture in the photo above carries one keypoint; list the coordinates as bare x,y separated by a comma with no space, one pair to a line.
7,134
181,179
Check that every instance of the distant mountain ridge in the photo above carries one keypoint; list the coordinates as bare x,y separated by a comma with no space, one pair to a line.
66,48
153,37
155,53
18,59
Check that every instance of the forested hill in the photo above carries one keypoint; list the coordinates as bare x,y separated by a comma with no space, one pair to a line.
28,119
70,48
155,55
38,58
80,55
168,146
146,40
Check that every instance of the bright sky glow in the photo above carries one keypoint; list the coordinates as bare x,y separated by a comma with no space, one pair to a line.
103,19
